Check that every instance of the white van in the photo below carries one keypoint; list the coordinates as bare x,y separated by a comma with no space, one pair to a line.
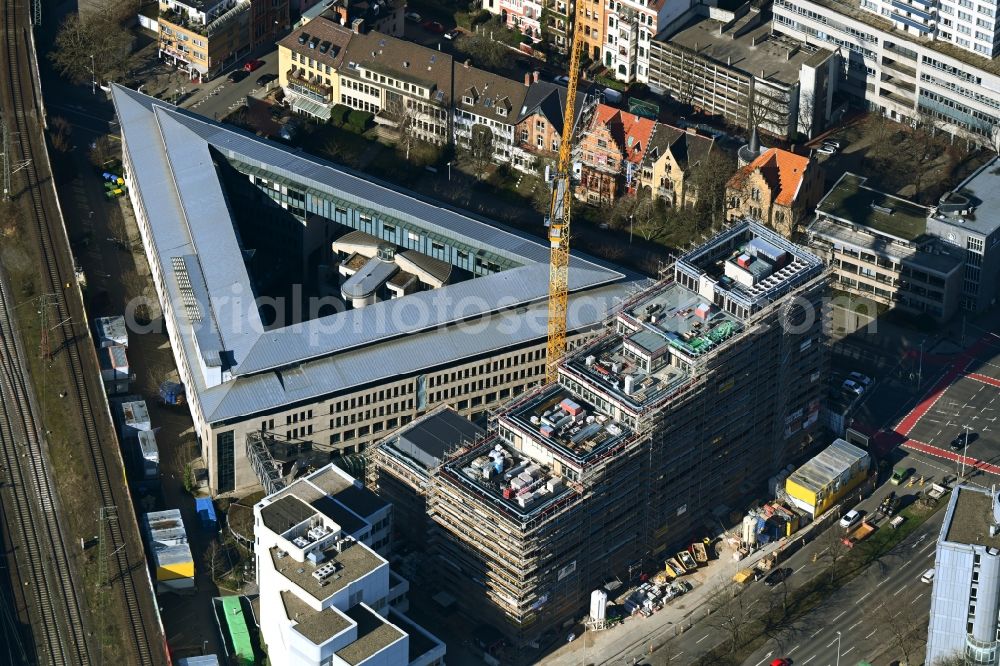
927,577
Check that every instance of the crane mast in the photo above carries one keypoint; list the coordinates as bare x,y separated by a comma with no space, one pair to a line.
559,219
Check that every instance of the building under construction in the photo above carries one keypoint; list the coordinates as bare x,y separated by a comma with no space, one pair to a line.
701,388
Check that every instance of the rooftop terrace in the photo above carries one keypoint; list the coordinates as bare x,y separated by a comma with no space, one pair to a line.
970,517
838,234
374,634
852,201
853,9
749,266
612,366
568,424
352,562
516,484
778,57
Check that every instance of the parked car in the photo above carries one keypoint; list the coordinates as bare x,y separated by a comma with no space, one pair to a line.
433,27
927,576
237,75
899,475
413,16
781,662
832,143
826,150
562,80
851,386
962,441
864,380
264,79
453,34
777,576
850,519
611,96
252,65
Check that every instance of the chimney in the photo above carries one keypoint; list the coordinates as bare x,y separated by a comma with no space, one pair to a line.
527,79
357,26
535,75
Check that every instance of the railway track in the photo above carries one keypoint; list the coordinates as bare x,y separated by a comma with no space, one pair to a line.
55,592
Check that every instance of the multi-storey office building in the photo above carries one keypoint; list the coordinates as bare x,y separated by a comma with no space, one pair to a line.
731,64
326,597
879,247
968,25
202,38
897,73
965,599
701,387
968,219
261,338
929,260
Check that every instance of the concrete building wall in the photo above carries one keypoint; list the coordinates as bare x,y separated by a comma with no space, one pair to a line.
897,75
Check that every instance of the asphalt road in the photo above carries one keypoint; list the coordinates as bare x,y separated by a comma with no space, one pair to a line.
861,618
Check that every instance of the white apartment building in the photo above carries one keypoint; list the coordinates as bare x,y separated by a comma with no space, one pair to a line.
896,73
327,598
966,24
490,103
631,25
523,15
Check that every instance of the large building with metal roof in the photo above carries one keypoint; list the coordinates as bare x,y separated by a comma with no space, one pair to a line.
211,200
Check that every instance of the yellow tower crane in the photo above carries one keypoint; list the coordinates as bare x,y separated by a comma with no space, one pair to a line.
559,218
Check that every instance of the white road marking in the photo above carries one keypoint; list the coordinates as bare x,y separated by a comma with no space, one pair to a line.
879,606
832,643
854,625
839,616
793,649
847,651
816,634
808,660
701,639
899,590
871,634
861,598
678,655
916,598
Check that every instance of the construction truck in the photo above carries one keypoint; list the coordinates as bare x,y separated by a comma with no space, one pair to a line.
863,531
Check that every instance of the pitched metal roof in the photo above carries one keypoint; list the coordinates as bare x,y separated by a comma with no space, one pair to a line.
175,178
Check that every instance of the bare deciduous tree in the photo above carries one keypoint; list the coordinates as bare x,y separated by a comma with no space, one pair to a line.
403,115
95,46
480,148
897,625
731,615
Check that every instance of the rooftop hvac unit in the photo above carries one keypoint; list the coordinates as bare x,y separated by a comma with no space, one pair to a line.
629,384
300,541
590,360
315,556
281,554
325,571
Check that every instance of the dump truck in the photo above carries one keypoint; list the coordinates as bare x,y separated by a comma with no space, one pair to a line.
674,566
863,531
744,576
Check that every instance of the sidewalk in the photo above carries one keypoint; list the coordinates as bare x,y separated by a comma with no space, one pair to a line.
614,644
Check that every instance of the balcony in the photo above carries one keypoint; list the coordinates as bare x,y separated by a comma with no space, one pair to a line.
302,84
903,87
898,67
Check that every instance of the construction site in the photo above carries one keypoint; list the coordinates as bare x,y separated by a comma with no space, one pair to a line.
700,389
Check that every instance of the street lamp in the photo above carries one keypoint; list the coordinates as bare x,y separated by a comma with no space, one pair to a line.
93,76
630,229
838,648
449,171
920,366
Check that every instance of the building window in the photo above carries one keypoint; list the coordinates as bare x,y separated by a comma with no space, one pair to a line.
225,450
